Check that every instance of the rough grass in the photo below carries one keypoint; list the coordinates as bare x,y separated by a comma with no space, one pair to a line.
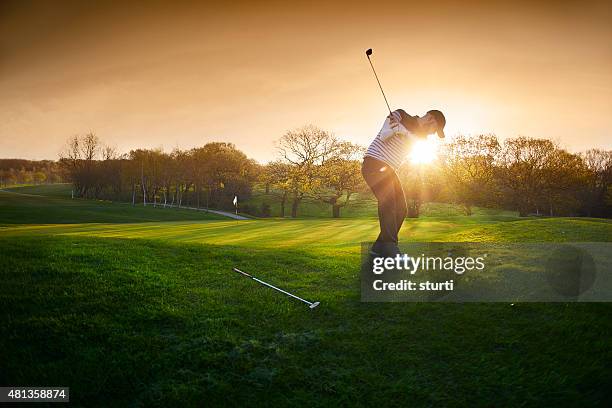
150,314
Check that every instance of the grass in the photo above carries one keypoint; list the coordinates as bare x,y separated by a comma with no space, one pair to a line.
47,204
148,313
63,190
360,205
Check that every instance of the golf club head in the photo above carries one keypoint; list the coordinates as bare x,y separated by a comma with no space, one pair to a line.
368,52
315,304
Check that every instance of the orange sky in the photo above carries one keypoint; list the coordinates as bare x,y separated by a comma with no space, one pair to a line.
154,74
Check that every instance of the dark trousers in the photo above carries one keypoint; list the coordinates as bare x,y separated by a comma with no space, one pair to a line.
386,186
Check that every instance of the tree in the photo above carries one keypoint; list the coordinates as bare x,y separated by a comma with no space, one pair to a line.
341,176
305,149
223,171
469,166
78,159
39,177
277,175
536,175
598,184
521,171
564,179
144,170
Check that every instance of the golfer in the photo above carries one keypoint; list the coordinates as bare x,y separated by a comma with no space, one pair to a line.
383,158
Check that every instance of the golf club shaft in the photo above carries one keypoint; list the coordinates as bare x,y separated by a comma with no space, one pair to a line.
272,286
379,85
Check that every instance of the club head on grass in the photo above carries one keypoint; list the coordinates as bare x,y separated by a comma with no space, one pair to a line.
315,304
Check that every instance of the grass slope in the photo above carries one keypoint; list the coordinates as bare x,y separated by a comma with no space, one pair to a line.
62,190
48,205
150,314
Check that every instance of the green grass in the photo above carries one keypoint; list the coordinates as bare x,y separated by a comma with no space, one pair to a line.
48,205
150,314
360,205
63,190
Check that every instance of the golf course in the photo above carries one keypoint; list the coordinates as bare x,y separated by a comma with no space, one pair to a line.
138,306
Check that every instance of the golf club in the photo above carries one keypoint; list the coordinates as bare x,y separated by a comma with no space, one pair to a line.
312,305
368,53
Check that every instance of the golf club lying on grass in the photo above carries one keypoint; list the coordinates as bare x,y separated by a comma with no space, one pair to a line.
312,305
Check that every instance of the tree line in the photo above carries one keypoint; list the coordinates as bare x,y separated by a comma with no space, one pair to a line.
531,176
528,175
21,171
204,177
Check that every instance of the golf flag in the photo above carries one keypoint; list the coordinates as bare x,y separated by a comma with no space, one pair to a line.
235,201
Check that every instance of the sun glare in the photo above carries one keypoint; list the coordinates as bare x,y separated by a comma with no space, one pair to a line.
423,151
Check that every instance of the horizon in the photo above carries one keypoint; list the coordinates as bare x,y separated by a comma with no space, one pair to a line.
183,75
412,158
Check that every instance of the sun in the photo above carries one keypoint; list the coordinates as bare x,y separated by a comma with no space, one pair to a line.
423,151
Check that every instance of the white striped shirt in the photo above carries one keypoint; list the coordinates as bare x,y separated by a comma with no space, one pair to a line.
391,145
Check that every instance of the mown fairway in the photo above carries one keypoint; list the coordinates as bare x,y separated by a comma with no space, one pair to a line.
134,306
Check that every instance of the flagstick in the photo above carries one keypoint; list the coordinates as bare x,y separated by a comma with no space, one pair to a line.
236,207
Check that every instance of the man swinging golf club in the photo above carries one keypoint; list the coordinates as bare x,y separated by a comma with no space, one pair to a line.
384,156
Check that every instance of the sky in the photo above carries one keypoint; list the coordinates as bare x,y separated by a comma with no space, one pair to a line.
181,74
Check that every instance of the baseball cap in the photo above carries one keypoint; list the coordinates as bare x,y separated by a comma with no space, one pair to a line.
440,120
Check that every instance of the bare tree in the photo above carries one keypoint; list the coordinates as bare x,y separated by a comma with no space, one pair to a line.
90,146
109,153
78,158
